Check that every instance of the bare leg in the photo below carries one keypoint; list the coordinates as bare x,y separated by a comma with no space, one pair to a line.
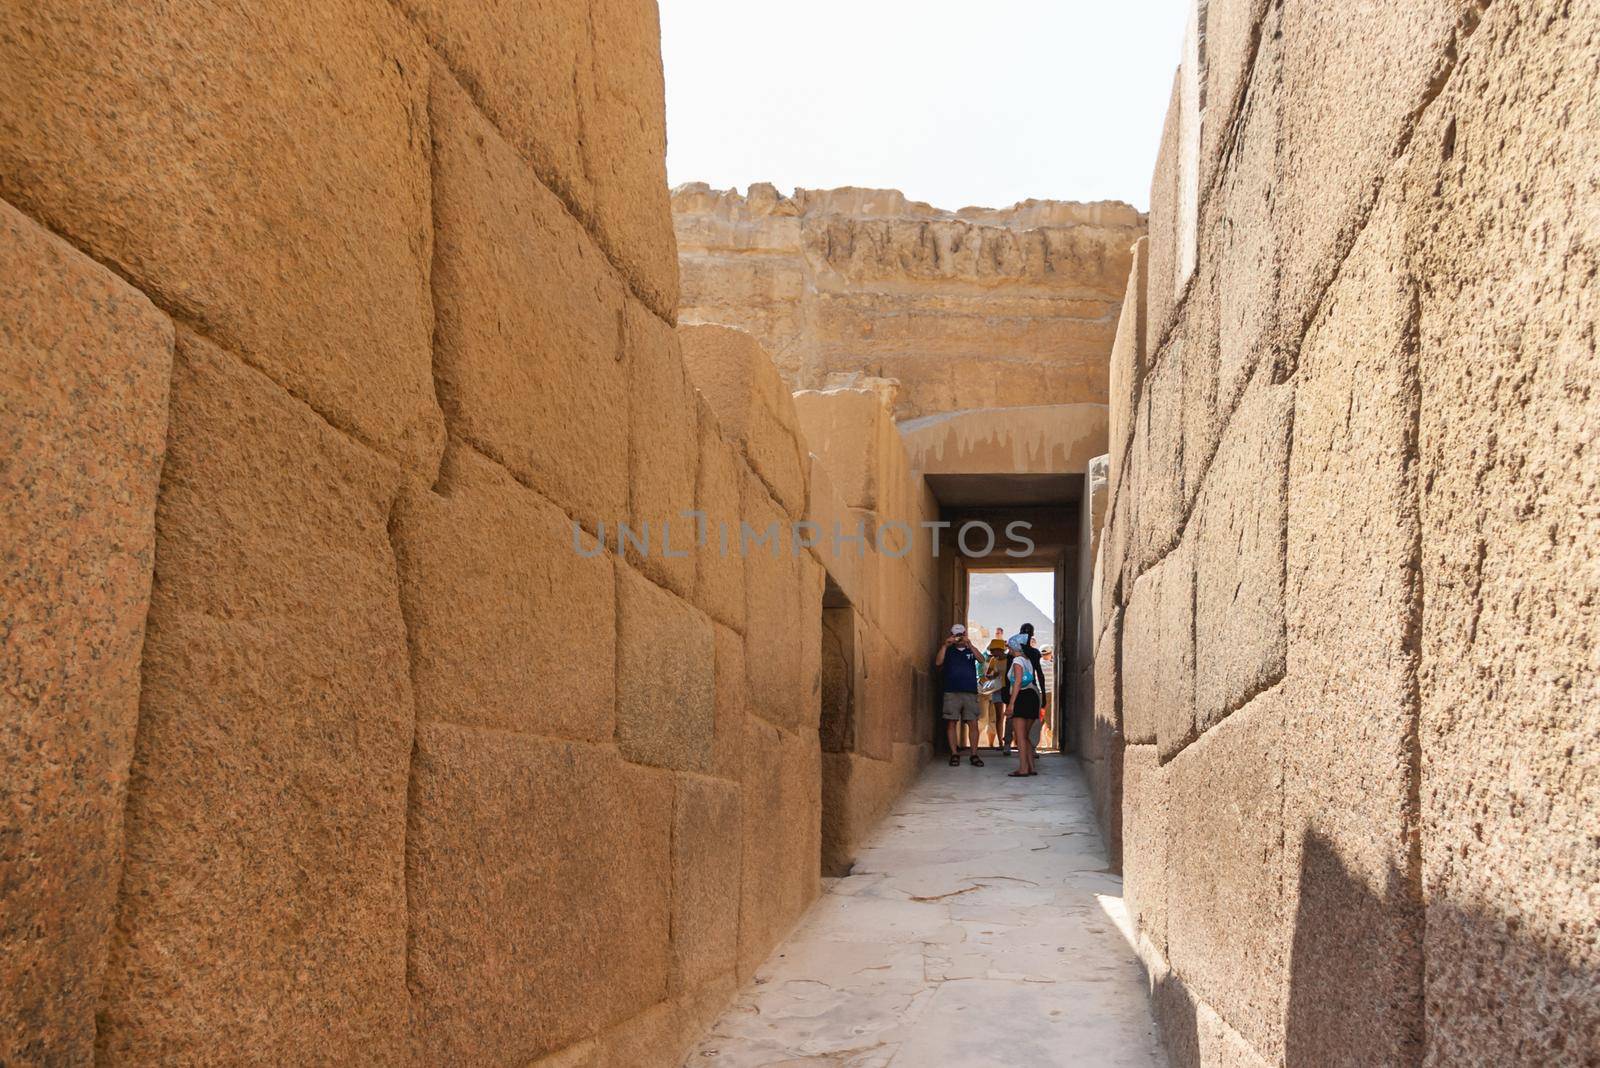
952,733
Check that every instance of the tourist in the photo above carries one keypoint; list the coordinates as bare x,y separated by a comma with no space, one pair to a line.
1026,703
994,675
1036,658
957,662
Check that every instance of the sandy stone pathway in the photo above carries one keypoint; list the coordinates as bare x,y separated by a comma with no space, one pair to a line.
979,927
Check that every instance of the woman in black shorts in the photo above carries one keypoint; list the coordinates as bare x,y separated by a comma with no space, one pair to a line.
1025,703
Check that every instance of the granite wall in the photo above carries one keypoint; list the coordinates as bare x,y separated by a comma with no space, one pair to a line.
1346,623
337,340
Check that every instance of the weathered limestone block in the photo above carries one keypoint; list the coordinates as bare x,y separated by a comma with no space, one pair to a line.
1145,812
1200,418
728,735
719,487
1238,533
529,321
1351,586
256,171
773,606
625,149
812,580
663,452
1233,34
707,836
1380,65
539,875
1129,356
880,709
576,88
83,422
752,403
666,653
1158,655
849,430
488,574
263,909
1227,930
842,679
1106,738
847,563
1161,294
1510,703
1155,476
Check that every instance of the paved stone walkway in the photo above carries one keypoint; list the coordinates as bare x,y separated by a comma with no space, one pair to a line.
980,927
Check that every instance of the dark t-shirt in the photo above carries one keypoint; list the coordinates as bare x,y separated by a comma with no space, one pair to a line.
960,670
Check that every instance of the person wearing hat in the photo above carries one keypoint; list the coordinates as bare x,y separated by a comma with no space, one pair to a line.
1031,651
1026,702
957,661
994,678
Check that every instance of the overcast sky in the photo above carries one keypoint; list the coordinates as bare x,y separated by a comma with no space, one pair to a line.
956,102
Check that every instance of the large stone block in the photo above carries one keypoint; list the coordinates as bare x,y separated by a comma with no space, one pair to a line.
1350,819
83,424
625,149
1128,356
529,336
1155,476
1158,655
1381,65
488,574
707,838
1145,812
1503,170
753,404
1238,532
848,429
663,454
847,562
728,735
257,172
773,606
1234,34
1161,294
719,489
539,875
666,662
1227,929
263,908
782,837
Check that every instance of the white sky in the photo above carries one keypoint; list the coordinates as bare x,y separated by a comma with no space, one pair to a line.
956,102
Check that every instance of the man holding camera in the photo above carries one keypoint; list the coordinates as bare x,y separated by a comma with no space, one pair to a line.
958,661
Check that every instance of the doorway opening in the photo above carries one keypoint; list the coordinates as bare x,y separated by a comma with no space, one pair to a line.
1000,602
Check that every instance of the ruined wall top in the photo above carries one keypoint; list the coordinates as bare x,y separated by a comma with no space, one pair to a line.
850,284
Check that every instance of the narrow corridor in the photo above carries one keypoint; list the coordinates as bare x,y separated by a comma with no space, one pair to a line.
978,927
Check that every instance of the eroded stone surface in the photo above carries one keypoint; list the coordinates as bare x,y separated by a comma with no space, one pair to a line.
981,899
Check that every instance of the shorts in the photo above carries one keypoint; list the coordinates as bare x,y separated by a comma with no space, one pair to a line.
962,706
1026,705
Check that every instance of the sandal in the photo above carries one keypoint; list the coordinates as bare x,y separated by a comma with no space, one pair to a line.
977,761
1016,774
955,760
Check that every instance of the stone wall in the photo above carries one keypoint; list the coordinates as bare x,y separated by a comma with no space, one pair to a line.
1346,623
965,309
336,341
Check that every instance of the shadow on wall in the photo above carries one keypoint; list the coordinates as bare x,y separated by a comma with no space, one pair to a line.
1496,995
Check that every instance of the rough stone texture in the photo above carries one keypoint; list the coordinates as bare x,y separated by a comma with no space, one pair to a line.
1161,296
256,172
576,87
666,657
852,570
1226,926
752,403
781,840
663,452
1381,64
729,703
525,857
83,422
1233,33
488,575
262,895
1129,356
843,286
530,321
850,431
1107,740
1156,468
719,488
773,606
707,835
1158,655
1145,813
1238,540
1054,439
1510,705
1349,814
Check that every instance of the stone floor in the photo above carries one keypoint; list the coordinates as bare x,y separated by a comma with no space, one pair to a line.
979,927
